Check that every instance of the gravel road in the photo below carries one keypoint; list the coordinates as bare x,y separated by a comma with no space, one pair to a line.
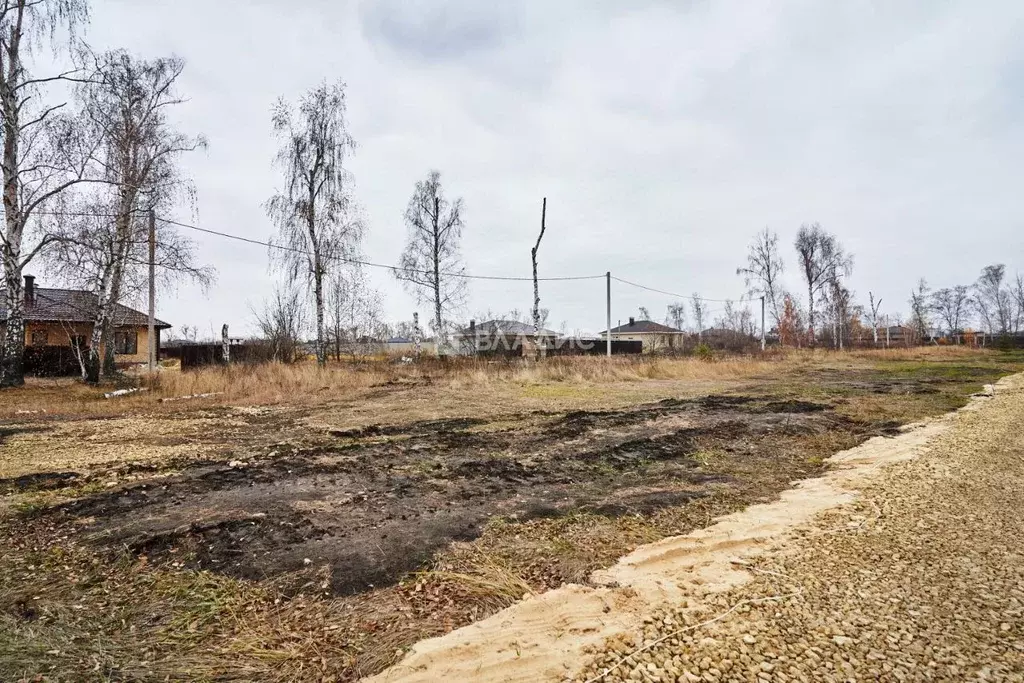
920,579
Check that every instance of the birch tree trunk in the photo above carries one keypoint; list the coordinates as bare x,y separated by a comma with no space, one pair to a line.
14,337
810,315
442,340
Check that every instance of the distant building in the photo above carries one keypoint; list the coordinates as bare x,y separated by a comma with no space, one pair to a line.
502,337
654,336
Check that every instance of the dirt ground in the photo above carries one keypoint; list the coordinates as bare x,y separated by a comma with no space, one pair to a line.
317,540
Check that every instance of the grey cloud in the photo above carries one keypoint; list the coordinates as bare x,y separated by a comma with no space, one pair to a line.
440,31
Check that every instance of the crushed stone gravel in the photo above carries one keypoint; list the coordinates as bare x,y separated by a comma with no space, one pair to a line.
920,579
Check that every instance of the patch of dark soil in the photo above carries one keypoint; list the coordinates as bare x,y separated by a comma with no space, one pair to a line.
579,422
794,406
414,428
673,446
233,546
376,509
887,428
718,402
22,609
42,481
901,387
498,468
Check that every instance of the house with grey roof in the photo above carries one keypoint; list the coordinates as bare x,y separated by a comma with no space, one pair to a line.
64,318
654,336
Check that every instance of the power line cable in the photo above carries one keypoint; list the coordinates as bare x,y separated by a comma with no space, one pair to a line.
678,296
371,264
395,269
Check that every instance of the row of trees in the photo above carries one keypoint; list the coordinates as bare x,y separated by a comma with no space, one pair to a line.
829,314
320,230
84,178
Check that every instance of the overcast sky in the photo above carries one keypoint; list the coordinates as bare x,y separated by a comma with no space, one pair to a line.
664,134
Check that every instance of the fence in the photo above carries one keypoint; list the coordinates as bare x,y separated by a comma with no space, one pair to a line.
51,361
577,347
199,355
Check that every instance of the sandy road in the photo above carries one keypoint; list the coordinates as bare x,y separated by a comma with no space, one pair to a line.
909,572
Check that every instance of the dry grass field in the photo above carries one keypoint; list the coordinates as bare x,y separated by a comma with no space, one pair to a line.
301,524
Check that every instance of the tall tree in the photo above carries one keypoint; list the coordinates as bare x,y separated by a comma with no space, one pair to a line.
644,313
994,300
676,316
281,322
125,107
43,152
873,307
821,257
763,272
842,309
353,308
1018,295
316,221
431,265
952,304
699,312
790,323
920,309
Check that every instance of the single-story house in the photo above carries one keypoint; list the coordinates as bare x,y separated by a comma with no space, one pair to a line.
64,318
502,337
654,336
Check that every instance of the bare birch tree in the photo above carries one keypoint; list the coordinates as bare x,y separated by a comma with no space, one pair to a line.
873,308
699,313
763,272
281,322
1018,295
353,309
952,304
125,107
821,257
676,315
840,303
317,225
994,300
43,153
431,264
920,309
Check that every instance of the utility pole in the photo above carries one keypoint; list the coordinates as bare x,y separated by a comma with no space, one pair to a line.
152,291
608,334
762,323
536,289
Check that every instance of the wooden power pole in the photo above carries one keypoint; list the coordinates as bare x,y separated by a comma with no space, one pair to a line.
608,312
536,289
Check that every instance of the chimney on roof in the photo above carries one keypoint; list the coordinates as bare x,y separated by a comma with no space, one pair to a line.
30,290
632,322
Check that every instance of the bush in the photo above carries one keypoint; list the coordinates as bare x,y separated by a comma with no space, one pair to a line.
704,352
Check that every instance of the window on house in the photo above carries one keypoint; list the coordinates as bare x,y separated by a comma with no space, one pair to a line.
40,338
126,341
